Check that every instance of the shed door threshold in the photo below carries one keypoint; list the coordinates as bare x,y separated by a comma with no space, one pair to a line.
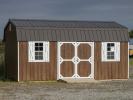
78,80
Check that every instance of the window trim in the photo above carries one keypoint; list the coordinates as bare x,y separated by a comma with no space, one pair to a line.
115,55
44,60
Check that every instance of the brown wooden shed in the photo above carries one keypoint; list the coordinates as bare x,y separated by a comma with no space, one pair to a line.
55,49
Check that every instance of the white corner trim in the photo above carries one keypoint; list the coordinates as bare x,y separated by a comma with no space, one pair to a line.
128,60
93,56
18,60
58,48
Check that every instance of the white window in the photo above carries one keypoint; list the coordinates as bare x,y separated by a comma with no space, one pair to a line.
110,51
38,51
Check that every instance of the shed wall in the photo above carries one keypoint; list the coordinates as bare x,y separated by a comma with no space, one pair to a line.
37,71
48,70
11,53
111,70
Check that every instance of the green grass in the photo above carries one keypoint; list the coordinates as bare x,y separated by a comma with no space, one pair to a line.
131,61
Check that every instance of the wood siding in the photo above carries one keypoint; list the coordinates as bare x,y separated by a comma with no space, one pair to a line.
111,70
48,70
11,53
37,71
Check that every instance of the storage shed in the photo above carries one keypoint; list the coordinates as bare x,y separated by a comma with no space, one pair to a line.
38,50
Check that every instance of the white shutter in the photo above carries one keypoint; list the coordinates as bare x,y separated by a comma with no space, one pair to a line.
104,51
117,51
31,52
46,51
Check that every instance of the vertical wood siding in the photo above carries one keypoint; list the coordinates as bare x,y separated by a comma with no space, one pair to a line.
67,69
111,70
84,68
48,70
11,53
37,70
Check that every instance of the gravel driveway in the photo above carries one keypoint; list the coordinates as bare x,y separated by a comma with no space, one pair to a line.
103,90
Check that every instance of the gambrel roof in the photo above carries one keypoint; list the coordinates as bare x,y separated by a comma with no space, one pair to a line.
59,30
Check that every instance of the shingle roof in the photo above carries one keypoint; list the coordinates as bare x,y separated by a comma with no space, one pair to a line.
57,30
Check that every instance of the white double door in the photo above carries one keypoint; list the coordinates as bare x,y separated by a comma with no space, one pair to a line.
75,60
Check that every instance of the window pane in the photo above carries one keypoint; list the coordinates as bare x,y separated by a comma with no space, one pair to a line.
40,57
108,57
112,44
36,44
36,57
40,44
109,53
41,48
108,49
108,45
36,53
36,48
111,57
112,48
40,54
112,53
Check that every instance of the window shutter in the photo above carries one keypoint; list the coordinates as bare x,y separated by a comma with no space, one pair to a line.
31,53
117,51
46,51
104,51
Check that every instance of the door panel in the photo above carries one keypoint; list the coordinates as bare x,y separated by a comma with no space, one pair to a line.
67,69
67,51
84,68
84,51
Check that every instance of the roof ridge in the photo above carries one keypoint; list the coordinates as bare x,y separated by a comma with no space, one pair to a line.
51,20
65,23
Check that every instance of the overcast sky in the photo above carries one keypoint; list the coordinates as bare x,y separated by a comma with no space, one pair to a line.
100,10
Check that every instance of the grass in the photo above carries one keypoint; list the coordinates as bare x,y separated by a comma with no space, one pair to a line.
131,61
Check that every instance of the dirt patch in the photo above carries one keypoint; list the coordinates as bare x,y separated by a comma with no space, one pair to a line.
108,90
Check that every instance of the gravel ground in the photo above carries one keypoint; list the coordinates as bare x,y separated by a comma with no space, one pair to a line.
103,90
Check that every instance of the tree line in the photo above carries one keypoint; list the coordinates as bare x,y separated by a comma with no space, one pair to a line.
131,34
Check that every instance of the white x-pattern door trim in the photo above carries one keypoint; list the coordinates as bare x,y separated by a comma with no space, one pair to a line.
75,60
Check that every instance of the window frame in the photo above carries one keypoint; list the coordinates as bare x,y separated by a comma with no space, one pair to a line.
116,57
45,49
39,51
111,51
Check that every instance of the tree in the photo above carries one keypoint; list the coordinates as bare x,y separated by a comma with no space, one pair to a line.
131,34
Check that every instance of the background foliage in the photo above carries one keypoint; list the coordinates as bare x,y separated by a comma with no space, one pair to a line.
131,34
